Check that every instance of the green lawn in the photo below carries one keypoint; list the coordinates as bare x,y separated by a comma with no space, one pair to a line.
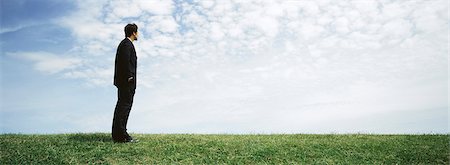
225,149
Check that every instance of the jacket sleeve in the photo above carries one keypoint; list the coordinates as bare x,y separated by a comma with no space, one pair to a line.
125,59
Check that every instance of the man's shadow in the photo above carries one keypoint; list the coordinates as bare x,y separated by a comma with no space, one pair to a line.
91,137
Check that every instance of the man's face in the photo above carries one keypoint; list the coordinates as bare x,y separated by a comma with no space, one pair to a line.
135,35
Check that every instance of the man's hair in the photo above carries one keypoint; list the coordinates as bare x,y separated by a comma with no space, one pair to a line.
129,29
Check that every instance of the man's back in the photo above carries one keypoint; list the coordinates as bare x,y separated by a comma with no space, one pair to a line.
125,64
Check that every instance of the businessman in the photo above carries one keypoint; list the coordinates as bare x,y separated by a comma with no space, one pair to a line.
125,81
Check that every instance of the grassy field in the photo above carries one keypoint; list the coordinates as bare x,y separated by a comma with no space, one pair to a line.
225,149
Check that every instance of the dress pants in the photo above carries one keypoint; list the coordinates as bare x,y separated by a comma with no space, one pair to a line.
121,113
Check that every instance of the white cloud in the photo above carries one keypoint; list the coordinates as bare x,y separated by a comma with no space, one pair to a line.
207,4
164,24
4,29
342,25
156,7
47,62
216,31
124,9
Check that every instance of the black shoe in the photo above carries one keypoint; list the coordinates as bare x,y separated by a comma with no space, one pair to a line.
128,139
131,141
119,141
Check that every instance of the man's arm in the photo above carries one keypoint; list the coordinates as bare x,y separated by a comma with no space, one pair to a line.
126,60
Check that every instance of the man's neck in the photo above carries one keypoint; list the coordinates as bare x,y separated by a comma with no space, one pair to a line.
130,39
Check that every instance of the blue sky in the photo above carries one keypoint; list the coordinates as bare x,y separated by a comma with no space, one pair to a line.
228,66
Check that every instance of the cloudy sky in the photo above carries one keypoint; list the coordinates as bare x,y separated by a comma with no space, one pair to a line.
362,66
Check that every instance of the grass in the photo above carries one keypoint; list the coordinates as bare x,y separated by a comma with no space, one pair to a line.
225,149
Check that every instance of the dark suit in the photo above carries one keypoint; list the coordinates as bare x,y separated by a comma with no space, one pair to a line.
125,67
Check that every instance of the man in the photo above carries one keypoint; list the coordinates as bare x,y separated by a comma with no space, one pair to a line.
125,81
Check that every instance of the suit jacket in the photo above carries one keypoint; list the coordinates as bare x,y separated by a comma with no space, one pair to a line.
125,64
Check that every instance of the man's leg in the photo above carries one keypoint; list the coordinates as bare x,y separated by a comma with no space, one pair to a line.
127,113
123,107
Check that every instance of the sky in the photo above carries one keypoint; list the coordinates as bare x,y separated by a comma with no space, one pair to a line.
228,67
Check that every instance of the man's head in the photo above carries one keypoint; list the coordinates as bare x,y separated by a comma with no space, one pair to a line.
131,31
